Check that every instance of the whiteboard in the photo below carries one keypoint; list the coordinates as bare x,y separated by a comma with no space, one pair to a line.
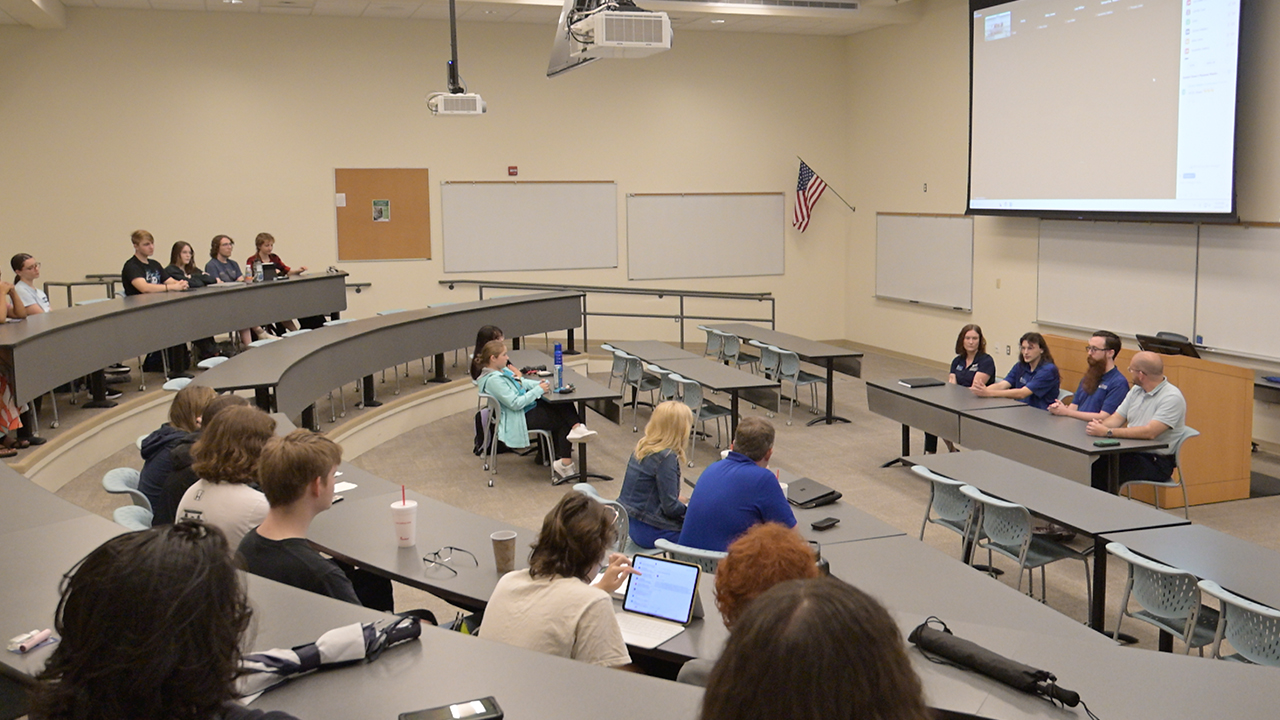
925,259
1238,305
705,235
1128,278
492,226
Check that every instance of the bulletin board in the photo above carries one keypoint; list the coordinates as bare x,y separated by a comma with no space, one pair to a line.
383,214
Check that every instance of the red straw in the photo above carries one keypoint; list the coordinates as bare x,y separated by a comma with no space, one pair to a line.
403,502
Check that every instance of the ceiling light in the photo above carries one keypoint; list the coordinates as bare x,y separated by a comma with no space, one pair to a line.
717,22
233,2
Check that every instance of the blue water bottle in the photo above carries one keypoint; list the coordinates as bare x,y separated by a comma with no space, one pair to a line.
559,368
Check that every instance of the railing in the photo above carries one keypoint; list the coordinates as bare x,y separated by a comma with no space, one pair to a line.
681,295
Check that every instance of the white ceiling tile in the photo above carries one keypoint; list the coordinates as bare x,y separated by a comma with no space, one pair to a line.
129,4
178,4
339,8
248,6
273,10
6,20
391,8
536,14
78,3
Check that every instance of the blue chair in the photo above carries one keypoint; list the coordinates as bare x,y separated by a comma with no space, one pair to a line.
703,410
789,371
1252,629
708,560
124,481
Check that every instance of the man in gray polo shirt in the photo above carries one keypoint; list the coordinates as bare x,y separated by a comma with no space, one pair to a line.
1153,410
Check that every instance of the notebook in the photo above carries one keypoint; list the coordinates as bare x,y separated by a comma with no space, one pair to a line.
808,493
659,602
920,382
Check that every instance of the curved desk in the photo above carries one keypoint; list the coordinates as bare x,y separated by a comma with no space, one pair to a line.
51,349
304,367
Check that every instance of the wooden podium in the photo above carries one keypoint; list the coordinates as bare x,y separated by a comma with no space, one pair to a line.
1219,405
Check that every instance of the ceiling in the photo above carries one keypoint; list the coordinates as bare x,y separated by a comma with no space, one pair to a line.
804,17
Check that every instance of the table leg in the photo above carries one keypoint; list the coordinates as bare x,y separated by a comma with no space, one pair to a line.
70,302
906,448
1098,608
262,398
1113,473
582,475
439,376
831,396
368,400
733,415
309,418
98,386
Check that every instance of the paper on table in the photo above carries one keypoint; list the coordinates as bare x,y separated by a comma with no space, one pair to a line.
344,486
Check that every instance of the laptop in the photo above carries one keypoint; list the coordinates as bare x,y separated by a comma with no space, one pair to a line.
660,600
808,493
269,272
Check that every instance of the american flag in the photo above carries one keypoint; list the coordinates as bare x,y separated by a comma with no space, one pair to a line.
808,189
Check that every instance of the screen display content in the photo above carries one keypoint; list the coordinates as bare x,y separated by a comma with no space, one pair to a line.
1103,108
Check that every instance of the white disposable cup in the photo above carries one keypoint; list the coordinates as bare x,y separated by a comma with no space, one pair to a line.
404,517
504,550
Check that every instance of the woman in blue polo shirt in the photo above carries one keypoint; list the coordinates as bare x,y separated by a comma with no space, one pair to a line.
972,364
1034,380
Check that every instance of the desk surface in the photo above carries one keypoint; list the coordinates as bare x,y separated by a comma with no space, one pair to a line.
1237,565
1061,431
716,376
653,351
801,346
23,504
947,396
1065,502
585,388
360,531
305,366
908,576
87,338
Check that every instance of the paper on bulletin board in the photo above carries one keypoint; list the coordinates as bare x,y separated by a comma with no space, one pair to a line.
382,211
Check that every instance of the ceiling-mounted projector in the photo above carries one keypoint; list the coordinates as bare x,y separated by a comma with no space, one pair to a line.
455,104
611,33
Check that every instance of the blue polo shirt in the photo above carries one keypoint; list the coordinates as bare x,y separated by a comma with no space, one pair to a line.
964,371
1112,388
732,495
1043,383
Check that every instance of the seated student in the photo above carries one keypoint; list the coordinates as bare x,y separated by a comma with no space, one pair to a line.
1103,386
523,408
814,650
551,607
223,269
296,473
264,245
651,488
1033,380
227,463
737,492
764,556
141,274
182,266
972,364
181,476
486,335
151,624
157,448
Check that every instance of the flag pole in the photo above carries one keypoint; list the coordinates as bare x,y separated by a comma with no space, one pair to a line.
833,190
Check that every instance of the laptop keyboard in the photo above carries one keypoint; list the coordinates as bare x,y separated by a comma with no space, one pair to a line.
644,632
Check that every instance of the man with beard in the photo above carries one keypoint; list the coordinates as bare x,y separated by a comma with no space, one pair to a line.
1103,386
1153,409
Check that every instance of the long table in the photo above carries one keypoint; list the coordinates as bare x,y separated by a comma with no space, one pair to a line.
811,350
1068,503
713,376
1005,427
50,349
301,368
585,390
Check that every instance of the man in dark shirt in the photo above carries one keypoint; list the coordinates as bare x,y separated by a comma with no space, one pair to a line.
296,473
141,274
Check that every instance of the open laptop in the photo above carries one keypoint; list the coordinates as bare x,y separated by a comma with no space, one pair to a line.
660,600
269,272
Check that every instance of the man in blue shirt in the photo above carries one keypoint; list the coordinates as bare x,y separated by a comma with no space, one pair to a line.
1034,380
1103,386
737,492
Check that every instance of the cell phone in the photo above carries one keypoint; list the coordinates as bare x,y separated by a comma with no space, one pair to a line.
1105,443
482,709
825,523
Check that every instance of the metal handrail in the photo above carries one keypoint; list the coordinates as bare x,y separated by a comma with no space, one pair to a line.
681,316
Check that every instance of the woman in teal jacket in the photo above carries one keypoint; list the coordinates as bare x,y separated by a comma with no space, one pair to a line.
522,410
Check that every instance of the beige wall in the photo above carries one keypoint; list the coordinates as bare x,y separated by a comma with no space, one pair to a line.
191,124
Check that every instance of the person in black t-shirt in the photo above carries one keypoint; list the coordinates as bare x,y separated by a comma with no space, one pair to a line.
141,274
296,473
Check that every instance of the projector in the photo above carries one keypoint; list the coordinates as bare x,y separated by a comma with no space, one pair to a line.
620,34
455,104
